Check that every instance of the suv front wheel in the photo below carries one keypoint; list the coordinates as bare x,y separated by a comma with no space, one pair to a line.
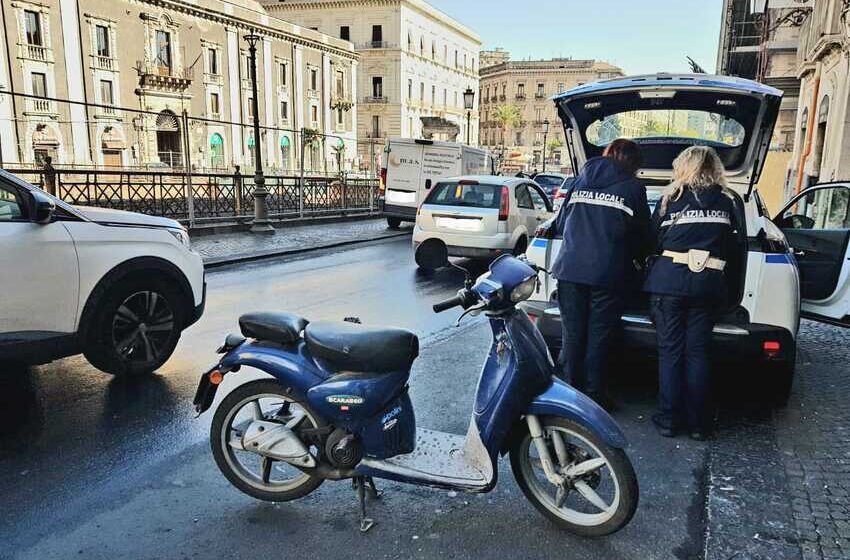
135,328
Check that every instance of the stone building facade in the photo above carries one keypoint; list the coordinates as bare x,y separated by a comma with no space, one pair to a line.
822,139
167,59
416,62
529,85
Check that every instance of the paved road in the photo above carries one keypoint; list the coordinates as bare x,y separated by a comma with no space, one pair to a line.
105,468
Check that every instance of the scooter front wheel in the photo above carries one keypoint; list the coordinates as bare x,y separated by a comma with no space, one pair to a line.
599,494
253,474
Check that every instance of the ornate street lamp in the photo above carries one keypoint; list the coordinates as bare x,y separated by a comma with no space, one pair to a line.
545,134
468,104
261,223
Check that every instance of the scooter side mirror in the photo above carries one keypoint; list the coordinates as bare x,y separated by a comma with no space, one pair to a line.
432,254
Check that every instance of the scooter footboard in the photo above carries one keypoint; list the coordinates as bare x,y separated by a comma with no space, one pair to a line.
562,400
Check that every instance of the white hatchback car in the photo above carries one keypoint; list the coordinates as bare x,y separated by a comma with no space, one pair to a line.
800,254
116,286
482,216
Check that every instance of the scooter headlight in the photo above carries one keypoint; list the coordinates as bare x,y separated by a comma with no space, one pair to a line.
524,290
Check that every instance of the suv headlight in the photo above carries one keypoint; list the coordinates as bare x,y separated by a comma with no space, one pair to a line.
182,236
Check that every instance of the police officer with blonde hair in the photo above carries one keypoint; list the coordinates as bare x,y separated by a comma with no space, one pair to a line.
694,225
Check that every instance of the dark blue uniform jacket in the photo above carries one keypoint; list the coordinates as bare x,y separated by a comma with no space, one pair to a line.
706,222
604,222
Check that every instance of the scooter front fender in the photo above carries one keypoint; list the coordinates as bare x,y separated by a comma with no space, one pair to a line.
562,400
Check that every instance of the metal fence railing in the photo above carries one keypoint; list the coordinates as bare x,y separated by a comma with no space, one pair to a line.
204,196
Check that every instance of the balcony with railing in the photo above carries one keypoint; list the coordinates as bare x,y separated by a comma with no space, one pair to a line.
40,53
369,45
376,100
520,97
540,95
153,75
38,106
104,62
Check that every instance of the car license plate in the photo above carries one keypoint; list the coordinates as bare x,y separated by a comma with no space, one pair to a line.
401,197
458,224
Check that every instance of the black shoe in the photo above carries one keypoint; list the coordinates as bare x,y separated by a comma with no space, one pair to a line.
697,435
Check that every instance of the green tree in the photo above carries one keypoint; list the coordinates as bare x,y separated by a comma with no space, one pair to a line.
508,117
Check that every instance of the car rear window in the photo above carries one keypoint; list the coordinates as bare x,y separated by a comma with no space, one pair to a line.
548,181
473,196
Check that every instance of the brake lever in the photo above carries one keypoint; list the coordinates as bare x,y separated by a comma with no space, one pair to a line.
474,311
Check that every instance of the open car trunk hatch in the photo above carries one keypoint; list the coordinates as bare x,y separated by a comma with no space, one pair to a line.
665,114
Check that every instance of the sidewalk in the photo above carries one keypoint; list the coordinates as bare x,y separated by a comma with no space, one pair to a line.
228,248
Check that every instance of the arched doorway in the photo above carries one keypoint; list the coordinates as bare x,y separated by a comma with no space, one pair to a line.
216,151
168,139
285,152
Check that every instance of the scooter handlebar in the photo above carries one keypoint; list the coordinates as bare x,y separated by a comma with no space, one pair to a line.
464,298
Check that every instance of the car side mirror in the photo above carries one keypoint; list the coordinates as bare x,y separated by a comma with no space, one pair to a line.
43,208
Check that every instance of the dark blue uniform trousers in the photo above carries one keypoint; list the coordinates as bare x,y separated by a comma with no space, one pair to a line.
590,318
683,327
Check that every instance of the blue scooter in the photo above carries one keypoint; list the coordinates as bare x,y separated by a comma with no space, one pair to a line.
337,408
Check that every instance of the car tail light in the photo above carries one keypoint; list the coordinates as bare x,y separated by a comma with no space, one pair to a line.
505,206
771,348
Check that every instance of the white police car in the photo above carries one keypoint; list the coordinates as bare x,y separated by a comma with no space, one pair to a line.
790,265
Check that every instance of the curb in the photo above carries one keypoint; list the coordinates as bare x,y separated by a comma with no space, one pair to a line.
218,262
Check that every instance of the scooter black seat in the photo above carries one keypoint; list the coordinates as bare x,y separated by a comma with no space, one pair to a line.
283,328
353,347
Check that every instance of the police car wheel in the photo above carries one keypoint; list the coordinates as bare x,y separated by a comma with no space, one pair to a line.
394,223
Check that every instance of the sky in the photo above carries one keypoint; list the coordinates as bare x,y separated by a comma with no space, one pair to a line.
640,36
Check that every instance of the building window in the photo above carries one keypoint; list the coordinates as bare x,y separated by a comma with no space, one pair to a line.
106,93
314,114
340,84
212,61
409,42
520,91
163,49
422,91
409,89
32,26
340,118
284,110
519,138
39,84
215,106
376,126
434,50
464,61
314,79
345,33
421,46
282,70
456,59
377,35
216,150
101,38
433,94
445,96
250,107
538,114
377,86
561,87
410,127
541,90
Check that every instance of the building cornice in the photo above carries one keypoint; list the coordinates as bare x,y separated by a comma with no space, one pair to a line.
298,35
419,5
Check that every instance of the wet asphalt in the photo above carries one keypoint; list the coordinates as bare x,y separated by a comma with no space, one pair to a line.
97,467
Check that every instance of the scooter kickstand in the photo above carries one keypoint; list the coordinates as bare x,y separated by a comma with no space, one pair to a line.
366,523
373,491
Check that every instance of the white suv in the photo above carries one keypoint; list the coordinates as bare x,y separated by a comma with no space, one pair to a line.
482,216
117,286
800,254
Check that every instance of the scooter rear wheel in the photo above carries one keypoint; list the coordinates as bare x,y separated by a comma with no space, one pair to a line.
600,494
257,476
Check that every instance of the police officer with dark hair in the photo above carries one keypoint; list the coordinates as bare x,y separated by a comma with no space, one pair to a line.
694,228
604,222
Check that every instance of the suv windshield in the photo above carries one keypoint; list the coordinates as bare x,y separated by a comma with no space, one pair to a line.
701,126
473,196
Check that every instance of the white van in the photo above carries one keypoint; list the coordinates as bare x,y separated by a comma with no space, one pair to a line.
412,166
